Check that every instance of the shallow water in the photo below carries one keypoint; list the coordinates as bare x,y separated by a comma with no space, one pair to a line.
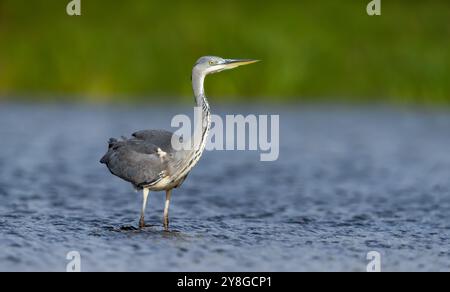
348,181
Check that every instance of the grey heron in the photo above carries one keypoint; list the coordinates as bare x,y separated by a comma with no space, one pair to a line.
148,159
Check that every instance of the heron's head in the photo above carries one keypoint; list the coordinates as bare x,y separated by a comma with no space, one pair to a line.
209,65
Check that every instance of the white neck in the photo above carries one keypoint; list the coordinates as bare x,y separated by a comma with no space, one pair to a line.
202,124
203,120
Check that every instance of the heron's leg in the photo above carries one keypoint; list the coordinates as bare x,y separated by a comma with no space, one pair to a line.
166,210
144,205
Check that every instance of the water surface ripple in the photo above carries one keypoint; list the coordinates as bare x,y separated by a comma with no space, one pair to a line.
348,181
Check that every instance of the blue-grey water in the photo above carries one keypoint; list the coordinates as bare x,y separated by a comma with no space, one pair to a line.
348,181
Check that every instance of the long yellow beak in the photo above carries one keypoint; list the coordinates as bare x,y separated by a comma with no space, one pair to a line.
233,63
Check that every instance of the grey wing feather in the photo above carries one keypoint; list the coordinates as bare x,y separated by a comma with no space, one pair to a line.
161,138
136,161
144,159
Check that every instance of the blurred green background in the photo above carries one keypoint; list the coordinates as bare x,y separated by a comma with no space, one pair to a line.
329,51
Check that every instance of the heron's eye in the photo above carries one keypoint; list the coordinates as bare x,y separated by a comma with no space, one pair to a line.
212,63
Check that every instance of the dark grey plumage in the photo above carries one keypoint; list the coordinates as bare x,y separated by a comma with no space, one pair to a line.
142,160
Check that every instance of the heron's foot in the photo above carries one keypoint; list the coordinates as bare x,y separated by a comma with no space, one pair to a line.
142,223
166,224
